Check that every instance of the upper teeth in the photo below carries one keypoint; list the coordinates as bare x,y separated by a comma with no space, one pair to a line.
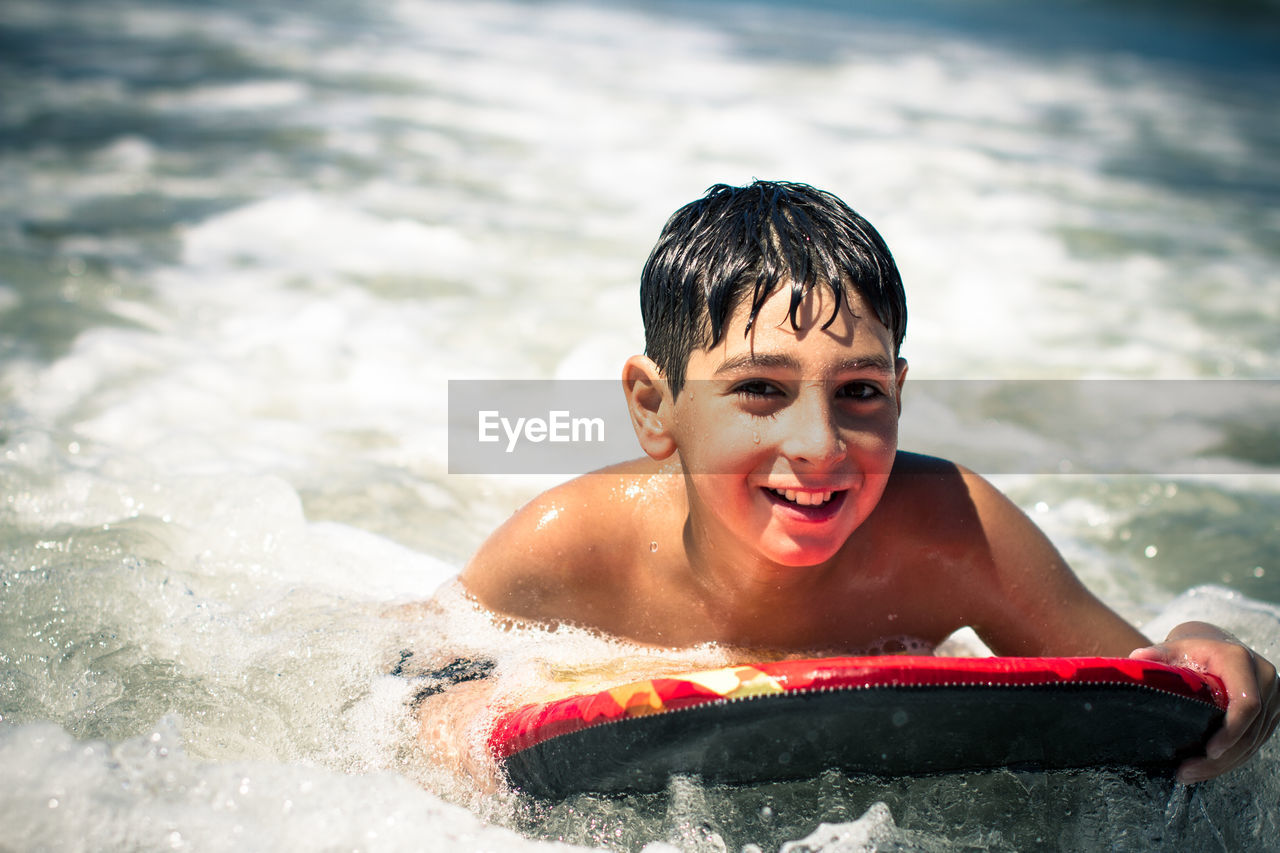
804,498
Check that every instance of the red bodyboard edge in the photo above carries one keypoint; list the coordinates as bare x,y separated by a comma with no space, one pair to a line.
531,724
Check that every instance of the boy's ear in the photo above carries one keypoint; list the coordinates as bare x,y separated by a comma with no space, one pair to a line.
901,367
649,402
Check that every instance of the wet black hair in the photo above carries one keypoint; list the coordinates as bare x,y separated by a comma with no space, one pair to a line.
740,243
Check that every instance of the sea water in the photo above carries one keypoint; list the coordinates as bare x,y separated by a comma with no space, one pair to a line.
243,249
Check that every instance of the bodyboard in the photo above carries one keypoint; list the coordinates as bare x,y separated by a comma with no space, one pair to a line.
886,716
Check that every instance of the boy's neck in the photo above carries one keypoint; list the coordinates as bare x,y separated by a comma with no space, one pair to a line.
739,583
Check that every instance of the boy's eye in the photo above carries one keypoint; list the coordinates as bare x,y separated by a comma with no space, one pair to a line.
859,391
756,388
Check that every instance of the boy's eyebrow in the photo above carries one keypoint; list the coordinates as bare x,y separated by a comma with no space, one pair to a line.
767,360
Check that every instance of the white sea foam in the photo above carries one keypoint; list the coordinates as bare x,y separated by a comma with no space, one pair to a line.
65,794
1257,623
252,96
311,235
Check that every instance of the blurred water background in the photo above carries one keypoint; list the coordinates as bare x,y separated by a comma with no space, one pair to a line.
244,247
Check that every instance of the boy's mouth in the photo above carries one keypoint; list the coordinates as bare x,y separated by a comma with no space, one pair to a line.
804,498
812,506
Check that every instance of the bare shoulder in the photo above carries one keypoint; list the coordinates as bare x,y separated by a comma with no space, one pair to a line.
560,555
935,498
1020,594
949,510
950,498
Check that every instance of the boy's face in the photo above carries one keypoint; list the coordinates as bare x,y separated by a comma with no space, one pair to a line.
788,435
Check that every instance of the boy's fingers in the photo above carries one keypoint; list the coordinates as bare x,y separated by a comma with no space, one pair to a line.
1242,711
1253,699
1151,653
1197,770
1253,706
1250,687
1252,714
1200,769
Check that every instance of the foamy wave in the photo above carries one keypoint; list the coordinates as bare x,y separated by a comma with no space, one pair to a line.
146,793
309,234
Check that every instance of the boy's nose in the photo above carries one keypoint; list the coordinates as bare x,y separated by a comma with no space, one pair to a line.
812,435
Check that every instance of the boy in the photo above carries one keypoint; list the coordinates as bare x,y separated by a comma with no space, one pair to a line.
774,510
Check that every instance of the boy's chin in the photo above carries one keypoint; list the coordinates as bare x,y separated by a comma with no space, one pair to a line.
799,556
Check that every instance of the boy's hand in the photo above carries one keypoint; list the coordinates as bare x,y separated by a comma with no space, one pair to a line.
1253,693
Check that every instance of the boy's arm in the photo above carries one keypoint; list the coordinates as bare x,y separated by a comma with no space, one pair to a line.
1031,603
1039,607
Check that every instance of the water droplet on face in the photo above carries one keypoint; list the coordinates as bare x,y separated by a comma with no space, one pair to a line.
756,438
653,546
